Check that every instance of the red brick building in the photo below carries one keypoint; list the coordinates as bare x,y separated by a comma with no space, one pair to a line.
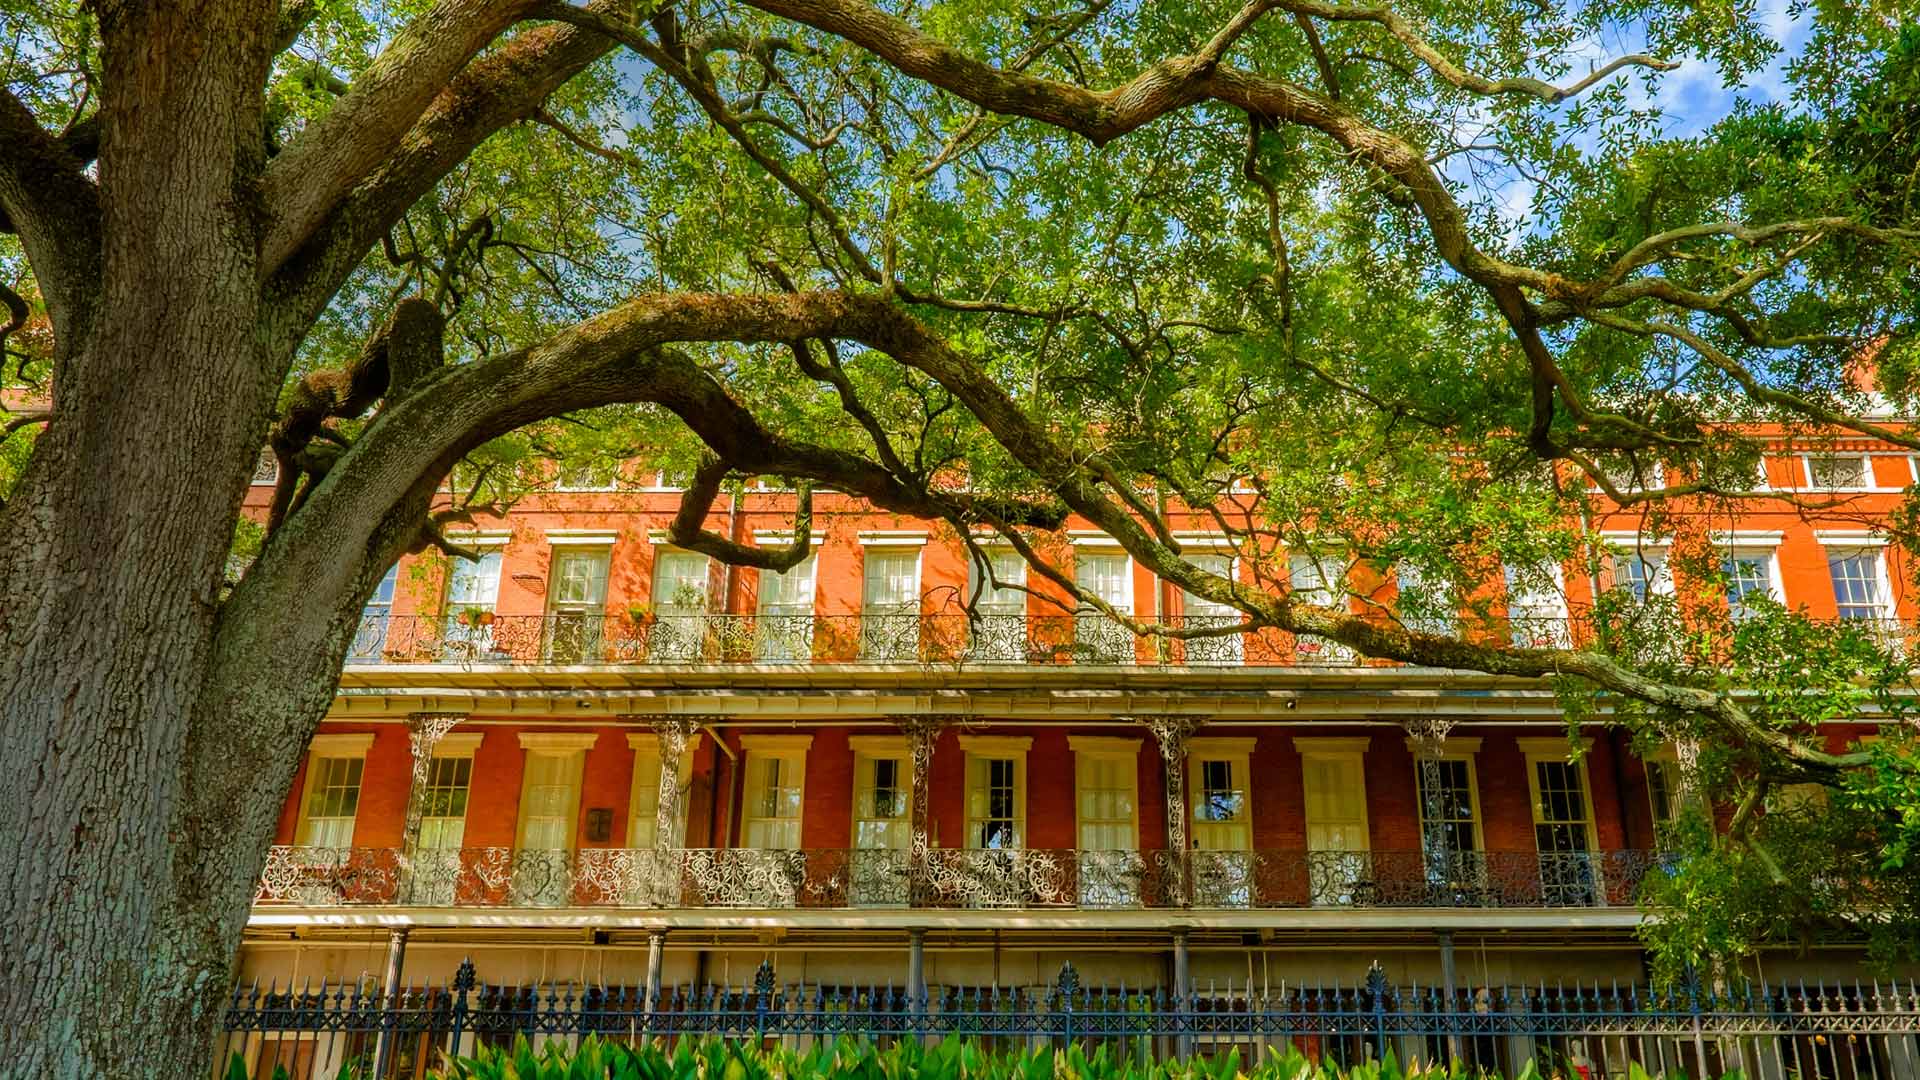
872,788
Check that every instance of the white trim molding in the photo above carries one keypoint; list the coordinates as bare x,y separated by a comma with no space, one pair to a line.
341,744
776,744
1092,538
996,744
1306,745
1747,538
557,742
892,538
483,537
772,537
1103,744
458,744
581,537
879,745
1848,539
1221,746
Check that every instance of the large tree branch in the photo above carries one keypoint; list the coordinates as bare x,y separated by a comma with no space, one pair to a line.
335,153
508,84
55,209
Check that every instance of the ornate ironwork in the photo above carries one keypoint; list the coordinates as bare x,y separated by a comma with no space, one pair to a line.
954,878
923,734
1170,733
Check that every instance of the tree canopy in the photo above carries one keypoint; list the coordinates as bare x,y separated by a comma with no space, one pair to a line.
1426,284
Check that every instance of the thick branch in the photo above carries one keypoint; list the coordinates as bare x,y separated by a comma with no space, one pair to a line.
336,152
685,530
55,209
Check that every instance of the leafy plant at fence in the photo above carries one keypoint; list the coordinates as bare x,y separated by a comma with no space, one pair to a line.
955,1058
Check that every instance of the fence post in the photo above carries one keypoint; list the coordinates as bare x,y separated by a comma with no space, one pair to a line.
1067,985
462,985
1377,986
389,999
762,995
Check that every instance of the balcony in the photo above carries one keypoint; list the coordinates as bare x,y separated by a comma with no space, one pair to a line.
806,639
951,879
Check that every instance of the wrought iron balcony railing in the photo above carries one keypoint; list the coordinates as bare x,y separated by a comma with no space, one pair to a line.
891,638
948,879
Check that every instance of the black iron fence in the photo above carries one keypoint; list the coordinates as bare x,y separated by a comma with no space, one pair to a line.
1852,1031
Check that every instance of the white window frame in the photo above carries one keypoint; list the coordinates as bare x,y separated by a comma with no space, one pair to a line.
1124,749
564,744
1834,543
1555,748
559,484
1621,546
869,748
789,748
453,746
991,747
646,748
1107,547
977,583
331,746
1664,759
1750,544
1238,754
1657,475
1456,748
1341,748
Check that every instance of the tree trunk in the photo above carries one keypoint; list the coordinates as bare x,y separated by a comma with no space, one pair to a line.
135,808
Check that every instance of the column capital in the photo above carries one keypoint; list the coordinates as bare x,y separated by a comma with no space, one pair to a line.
1170,730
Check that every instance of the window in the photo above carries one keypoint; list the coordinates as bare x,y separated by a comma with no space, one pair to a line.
1219,804
576,604
882,801
473,587
435,870
1663,794
586,476
549,809
784,630
1317,580
1839,472
1000,629
1107,831
1423,606
1333,775
1109,577
679,605
1629,475
643,820
333,791
890,604
1537,607
776,768
1749,574
1562,822
266,468
1202,613
1643,573
996,790
1859,583
370,639
1449,820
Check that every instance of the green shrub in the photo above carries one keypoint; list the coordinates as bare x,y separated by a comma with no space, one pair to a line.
856,1059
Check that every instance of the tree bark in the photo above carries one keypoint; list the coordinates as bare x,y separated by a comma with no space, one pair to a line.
132,819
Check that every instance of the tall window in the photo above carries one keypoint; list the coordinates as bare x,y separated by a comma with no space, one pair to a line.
333,800
1449,818
443,802
1859,583
882,801
1562,822
679,604
1222,816
370,639
1107,834
1316,579
1423,605
1108,576
1749,574
1642,573
1663,795
473,588
785,625
775,786
550,796
993,802
576,604
1000,631
890,604
1203,613
1537,606
643,824
1334,776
